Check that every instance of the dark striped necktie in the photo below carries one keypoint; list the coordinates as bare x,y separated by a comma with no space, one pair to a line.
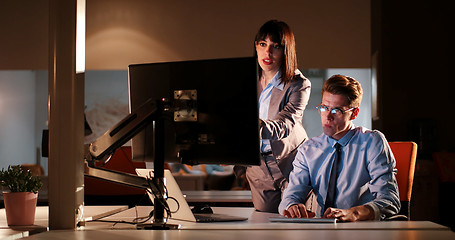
331,190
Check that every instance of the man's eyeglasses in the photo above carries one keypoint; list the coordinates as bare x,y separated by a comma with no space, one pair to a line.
335,111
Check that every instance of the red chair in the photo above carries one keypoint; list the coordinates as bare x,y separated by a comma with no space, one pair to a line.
405,154
99,191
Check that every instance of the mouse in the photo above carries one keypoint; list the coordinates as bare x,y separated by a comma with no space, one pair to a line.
202,209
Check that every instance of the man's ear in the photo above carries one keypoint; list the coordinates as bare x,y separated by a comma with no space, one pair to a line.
355,113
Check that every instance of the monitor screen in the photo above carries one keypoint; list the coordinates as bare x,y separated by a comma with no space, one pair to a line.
226,127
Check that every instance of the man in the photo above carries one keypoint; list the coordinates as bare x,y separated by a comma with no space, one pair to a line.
362,185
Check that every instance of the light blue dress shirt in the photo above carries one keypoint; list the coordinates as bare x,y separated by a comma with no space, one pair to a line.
366,173
264,103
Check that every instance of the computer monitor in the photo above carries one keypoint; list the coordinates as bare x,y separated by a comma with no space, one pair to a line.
226,127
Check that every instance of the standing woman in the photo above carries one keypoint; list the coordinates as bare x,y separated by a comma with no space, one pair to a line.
284,94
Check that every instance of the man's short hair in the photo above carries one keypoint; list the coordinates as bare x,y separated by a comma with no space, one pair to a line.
346,86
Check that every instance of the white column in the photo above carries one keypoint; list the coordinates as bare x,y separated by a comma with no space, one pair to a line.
66,119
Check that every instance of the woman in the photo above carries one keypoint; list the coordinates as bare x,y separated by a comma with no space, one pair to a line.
284,94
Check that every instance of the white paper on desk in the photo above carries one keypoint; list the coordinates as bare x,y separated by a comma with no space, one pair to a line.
302,220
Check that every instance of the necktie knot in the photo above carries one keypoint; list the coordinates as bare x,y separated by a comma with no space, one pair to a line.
337,147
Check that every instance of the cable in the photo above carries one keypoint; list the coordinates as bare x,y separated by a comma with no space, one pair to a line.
137,220
163,197
177,202
106,161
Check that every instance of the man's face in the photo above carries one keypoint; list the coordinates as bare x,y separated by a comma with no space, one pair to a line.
336,125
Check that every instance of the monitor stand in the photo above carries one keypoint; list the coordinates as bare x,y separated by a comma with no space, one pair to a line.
159,207
151,112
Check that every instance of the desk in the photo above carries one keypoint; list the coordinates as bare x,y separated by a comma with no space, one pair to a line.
250,234
257,227
260,221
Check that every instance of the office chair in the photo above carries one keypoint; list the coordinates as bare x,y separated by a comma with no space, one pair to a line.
35,169
97,191
405,154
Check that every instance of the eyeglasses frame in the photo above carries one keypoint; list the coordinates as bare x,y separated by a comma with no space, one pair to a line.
333,110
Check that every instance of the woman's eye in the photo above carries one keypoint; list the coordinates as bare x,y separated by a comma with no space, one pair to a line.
277,46
262,44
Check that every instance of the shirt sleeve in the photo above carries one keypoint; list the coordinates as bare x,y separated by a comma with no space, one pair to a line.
290,115
299,183
285,131
383,184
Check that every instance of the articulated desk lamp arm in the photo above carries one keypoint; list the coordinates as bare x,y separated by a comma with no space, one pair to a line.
148,113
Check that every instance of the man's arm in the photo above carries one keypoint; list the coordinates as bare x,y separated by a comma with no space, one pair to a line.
383,183
298,187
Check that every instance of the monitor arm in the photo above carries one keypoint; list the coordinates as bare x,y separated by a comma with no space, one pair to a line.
104,147
151,112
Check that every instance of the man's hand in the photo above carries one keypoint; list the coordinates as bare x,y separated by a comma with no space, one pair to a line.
298,211
359,213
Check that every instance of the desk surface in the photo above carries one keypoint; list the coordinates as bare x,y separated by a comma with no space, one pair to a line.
250,234
257,227
260,221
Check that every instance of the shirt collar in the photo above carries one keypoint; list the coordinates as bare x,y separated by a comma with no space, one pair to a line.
276,81
345,139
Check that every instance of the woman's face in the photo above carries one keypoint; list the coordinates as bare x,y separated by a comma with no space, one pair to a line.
270,55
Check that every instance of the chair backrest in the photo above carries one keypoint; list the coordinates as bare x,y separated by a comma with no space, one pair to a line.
405,154
120,161
35,169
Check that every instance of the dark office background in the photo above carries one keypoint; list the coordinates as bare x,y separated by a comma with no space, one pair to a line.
410,47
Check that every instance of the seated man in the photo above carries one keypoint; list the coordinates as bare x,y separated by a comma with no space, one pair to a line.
350,169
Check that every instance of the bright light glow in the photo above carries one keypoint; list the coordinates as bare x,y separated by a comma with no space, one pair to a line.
117,47
80,36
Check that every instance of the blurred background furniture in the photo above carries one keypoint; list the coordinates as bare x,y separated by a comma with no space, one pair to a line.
445,166
35,169
101,192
